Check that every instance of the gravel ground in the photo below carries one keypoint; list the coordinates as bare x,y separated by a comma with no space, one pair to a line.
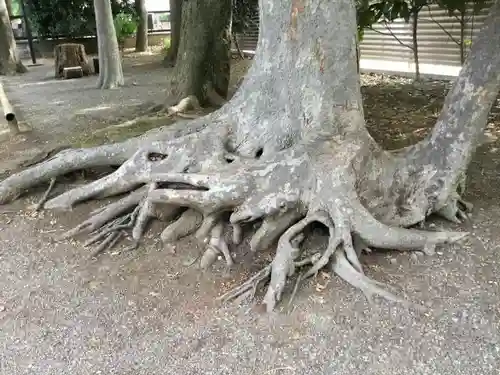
149,312
44,101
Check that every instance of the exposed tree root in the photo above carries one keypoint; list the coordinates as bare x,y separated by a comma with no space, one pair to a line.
42,156
249,287
216,245
288,192
108,213
188,223
456,210
271,229
64,162
188,103
110,240
45,196
156,113
214,99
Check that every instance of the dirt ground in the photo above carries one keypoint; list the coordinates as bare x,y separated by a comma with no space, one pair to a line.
151,312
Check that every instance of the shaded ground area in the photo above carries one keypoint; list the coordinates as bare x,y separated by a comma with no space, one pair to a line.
71,111
151,312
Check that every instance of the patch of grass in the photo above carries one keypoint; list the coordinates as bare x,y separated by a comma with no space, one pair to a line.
119,134
166,43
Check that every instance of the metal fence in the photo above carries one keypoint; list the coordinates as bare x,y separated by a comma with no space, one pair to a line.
247,41
438,39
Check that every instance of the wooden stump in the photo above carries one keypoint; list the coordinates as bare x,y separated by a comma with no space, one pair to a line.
69,55
73,72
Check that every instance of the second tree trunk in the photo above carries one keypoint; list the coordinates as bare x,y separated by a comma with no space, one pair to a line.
141,41
110,65
203,58
10,62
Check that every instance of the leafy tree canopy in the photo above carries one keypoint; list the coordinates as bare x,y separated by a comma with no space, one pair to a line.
70,18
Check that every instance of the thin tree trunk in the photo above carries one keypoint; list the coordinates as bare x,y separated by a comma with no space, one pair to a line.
204,53
110,65
462,35
10,63
141,41
358,56
414,35
175,31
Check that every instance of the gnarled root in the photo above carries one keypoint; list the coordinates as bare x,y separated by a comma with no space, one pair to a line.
186,182
108,213
45,196
351,229
64,162
272,228
216,245
189,221
188,103
456,210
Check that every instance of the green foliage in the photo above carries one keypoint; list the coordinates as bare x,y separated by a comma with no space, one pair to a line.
69,18
243,12
125,26
166,43
16,8
165,17
370,12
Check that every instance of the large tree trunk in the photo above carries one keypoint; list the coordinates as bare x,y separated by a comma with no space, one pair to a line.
204,53
110,65
141,40
175,31
10,63
289,149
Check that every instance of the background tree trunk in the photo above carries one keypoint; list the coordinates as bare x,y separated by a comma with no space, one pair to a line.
141,41
10,63
175,31
414,38
204,55
110,65
8,3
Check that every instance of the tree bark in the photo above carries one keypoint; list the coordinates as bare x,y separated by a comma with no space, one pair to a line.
447,151
8,4
175,31
289,149
463,24
414,38
10,63
141,41
204,52
110,65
